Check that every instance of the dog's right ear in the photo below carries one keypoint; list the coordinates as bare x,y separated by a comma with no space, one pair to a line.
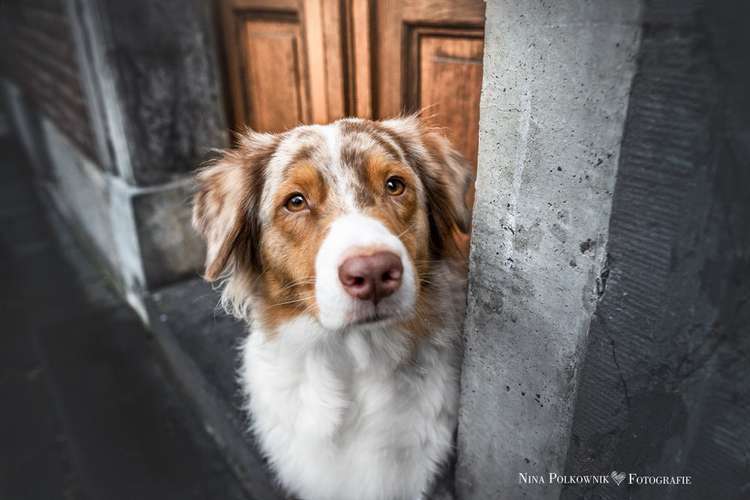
227,202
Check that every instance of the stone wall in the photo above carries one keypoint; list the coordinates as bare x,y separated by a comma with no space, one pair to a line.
119,112
41,50
163,64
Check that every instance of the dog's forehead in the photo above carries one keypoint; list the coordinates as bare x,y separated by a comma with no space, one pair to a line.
337,151
341,144
305,143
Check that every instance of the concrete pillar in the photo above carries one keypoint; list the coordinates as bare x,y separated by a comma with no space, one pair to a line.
557,77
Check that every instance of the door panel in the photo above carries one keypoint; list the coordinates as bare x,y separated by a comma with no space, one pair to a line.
324,22
445,81
285,62
276,97
436,67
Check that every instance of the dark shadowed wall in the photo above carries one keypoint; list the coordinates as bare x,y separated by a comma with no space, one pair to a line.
664,388
165,70
39,36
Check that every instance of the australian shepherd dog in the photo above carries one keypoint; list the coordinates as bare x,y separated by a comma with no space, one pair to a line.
339,245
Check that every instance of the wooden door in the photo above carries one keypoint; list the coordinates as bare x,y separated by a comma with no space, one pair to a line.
285,62
428,57
312,61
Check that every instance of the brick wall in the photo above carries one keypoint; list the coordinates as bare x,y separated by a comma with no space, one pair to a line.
39,56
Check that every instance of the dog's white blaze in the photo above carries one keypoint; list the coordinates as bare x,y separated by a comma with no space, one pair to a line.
332,136
346,235
345,179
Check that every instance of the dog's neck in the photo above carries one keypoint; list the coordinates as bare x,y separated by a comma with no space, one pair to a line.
304,335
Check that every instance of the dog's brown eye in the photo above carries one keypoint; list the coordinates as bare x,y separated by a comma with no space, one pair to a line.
295,203
394,186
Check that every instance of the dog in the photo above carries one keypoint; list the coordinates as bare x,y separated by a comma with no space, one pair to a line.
337,244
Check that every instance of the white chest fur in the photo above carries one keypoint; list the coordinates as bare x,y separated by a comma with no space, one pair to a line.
363,415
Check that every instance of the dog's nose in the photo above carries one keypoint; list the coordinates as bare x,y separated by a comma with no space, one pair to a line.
371,277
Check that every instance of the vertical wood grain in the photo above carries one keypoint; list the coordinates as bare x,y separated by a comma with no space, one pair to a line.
313,61
274,76
313,19
394,22
334,46
450,82
361,58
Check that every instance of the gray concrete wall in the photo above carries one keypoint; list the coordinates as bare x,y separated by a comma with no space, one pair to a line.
81,192
75,186
163,63
556,81
27,126
160,96
664,389
141,234
154,97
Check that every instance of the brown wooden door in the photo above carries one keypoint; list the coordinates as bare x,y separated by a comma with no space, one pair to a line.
284,62
312,61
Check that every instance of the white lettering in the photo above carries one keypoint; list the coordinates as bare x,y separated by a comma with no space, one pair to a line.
526,478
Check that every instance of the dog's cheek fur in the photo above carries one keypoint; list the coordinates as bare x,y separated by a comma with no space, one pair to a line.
286,287
225,213
403,215
290,245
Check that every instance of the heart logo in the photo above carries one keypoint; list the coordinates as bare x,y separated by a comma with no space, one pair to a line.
617,477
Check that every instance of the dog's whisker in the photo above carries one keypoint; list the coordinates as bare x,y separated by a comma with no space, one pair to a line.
288,302
409,228
302,282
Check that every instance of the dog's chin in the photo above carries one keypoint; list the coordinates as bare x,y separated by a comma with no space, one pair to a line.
376,319
371,318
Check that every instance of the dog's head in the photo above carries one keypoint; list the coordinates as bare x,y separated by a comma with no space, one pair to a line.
344,222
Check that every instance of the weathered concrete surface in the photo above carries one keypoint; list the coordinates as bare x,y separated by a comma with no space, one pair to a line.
664,389
27,126
163,62
143,234
88,65
155,96
155,240
556,81
80,191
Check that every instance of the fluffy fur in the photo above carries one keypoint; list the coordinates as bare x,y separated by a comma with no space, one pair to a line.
350,399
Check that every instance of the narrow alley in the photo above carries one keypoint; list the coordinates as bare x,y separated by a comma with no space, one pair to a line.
88,409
